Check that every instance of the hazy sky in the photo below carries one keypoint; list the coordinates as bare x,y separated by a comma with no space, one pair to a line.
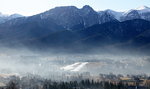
30,7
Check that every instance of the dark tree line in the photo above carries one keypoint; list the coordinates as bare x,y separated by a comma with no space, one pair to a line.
40,83
48,84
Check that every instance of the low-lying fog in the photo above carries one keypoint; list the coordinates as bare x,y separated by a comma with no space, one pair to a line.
23,62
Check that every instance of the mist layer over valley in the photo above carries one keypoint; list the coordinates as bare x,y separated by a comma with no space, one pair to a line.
22,62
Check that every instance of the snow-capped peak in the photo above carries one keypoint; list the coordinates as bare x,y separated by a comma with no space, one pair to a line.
16,15
116,14
12,15
6,17
142,8
3,15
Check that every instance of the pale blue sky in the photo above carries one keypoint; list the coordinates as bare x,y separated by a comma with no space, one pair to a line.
30,7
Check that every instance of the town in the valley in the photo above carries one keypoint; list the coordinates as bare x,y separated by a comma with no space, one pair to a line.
79,80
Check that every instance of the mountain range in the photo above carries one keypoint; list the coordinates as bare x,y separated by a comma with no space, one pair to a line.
69,27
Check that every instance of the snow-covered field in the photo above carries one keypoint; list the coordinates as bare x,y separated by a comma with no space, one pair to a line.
74,67
117,65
